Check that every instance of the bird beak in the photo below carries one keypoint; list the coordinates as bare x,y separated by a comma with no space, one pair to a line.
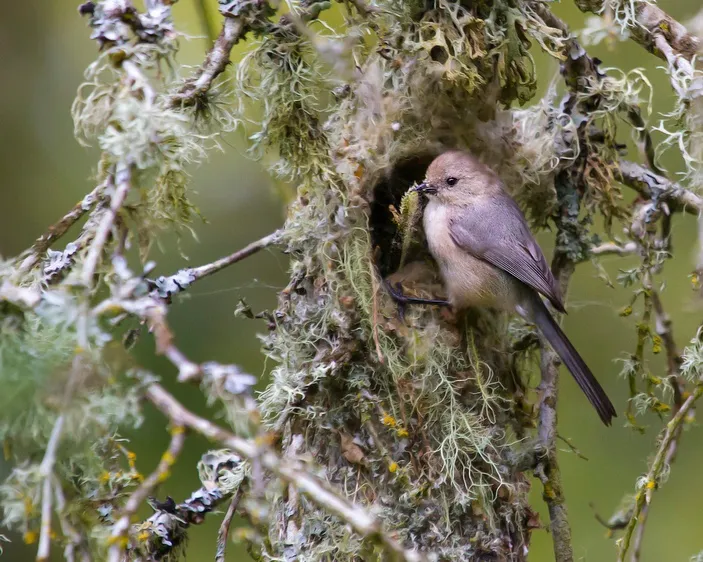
424,188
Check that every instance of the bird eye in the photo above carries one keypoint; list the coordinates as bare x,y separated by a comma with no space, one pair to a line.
451,181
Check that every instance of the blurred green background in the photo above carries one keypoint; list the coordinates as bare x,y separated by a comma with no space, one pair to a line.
44,47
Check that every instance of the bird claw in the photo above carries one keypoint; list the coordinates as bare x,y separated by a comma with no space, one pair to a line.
397,295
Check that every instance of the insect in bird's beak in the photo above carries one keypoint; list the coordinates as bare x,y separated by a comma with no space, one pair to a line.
424,187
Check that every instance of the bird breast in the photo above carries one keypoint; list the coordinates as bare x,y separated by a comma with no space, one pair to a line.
469,281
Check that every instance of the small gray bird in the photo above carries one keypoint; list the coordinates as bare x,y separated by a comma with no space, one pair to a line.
488,257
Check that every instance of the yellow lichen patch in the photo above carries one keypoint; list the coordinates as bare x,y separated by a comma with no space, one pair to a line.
120,541
131,459
30,537
164,475
656,344
168,458
626,311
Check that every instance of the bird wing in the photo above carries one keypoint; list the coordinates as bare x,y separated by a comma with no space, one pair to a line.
495,231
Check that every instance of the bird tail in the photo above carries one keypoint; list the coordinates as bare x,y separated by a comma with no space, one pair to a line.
573,361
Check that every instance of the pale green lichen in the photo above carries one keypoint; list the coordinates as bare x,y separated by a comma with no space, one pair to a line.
407,222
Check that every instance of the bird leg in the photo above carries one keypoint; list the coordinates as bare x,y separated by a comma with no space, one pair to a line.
397,293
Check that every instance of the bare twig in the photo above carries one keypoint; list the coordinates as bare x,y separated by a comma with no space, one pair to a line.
123,175
75,538
46,471
46,468
291,472
167,287
118,538
223,533
665,332
253,248
653,186
613,248
57,230
573,447
657,468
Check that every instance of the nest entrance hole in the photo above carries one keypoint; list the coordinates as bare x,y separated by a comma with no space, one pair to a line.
388,191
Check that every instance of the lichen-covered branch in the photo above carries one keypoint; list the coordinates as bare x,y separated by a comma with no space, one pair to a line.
289,471
650,26
164,534
223,533
233,29
547,465
167,287
658,188
122,185
118,539
651,481
57,230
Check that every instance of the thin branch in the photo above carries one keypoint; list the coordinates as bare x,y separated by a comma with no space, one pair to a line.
657,468
153,308
653,186
118,539
251,249
223,533
215,63
572,447
46,471
580,71
291,472
234,30
548,469
167,287
57,230
75,538
123,176
613,248
655,30
166,529
674,360
665,332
